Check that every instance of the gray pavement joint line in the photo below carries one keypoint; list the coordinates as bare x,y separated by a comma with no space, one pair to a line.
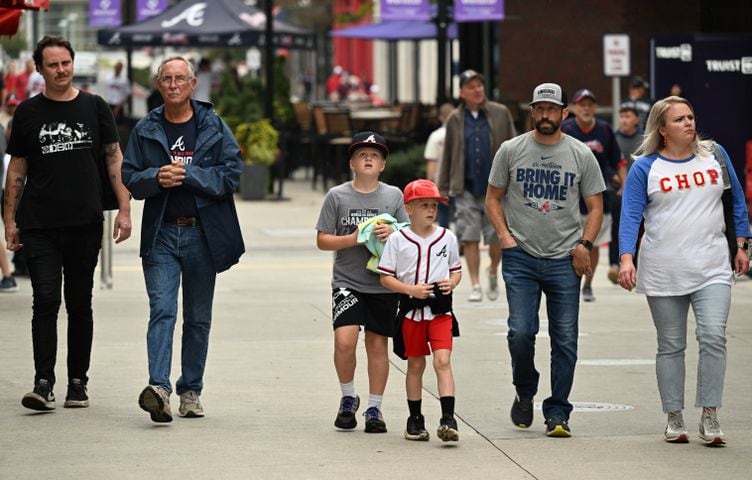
480,434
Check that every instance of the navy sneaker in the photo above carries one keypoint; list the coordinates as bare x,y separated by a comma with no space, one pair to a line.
374,421
346,414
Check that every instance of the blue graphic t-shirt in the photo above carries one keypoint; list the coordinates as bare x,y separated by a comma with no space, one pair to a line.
181,139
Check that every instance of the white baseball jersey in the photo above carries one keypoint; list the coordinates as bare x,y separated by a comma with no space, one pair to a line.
413,259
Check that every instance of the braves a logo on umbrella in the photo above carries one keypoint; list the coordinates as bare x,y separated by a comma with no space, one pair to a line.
193,16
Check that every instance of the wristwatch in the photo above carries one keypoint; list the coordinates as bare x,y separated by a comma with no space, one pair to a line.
743,245
586,243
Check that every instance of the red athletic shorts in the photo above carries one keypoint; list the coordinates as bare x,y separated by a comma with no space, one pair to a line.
418,335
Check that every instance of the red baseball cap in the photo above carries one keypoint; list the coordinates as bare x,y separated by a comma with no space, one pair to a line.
423,189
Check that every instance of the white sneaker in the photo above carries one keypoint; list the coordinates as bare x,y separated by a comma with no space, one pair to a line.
710,430
675,431
476,295
493,285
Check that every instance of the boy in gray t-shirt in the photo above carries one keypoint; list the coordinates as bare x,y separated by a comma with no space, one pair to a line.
357,295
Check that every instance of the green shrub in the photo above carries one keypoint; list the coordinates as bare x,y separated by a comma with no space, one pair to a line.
258,142
404,166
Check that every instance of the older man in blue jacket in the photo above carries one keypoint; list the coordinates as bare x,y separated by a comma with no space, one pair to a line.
184,161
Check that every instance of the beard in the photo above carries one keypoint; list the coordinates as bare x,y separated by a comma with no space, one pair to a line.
547,127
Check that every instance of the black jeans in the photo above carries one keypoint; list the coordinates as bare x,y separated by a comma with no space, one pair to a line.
50,254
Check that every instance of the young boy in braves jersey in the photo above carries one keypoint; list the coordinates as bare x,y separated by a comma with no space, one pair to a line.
422,262
357,296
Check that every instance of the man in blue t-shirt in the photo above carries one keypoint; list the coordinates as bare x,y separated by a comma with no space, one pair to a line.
596,134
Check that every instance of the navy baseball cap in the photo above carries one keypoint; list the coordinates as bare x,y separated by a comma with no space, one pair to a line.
582,94
368,139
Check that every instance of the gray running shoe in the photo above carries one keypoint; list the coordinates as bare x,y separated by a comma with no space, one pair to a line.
156,401
710,430
190,405
675,430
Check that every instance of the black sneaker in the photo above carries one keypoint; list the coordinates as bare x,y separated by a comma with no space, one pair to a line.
416,428
346,415
76,396
8,285
522,411
41,398
374,421
448,429
557,427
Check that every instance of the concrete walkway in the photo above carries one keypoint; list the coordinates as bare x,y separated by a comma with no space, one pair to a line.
271,393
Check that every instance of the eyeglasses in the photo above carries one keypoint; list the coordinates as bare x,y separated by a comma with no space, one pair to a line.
180,80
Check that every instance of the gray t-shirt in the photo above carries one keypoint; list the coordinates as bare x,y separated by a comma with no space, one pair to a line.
343,209
544,184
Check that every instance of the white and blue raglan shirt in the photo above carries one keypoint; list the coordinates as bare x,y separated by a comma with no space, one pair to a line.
684,247
413,259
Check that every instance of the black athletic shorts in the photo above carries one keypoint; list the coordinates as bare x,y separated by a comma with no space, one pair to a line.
376,312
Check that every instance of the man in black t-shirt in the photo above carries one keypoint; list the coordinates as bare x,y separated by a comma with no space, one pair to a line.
55,148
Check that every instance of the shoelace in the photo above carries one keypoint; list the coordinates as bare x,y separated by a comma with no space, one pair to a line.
711,423
676,421
347,405
190,397
371,413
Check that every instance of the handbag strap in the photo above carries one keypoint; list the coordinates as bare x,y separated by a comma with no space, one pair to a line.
724,168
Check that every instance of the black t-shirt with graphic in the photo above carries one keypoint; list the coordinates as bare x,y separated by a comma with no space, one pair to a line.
181,138
61,142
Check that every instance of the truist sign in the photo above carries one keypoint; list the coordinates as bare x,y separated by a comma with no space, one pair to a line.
148,8
104,13
404,10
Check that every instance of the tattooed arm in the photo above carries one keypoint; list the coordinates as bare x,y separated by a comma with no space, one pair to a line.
114,158
14,186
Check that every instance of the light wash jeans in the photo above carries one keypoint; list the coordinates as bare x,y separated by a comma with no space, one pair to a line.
525,279
711,308
179,252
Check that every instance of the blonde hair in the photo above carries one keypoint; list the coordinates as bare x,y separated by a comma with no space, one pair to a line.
653,140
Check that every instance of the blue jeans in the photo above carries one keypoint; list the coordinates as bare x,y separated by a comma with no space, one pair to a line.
51,255
179,251
711,308
525,278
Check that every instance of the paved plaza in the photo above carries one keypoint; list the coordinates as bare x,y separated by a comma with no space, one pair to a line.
271,393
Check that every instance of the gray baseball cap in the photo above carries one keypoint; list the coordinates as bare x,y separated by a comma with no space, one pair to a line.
549,92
